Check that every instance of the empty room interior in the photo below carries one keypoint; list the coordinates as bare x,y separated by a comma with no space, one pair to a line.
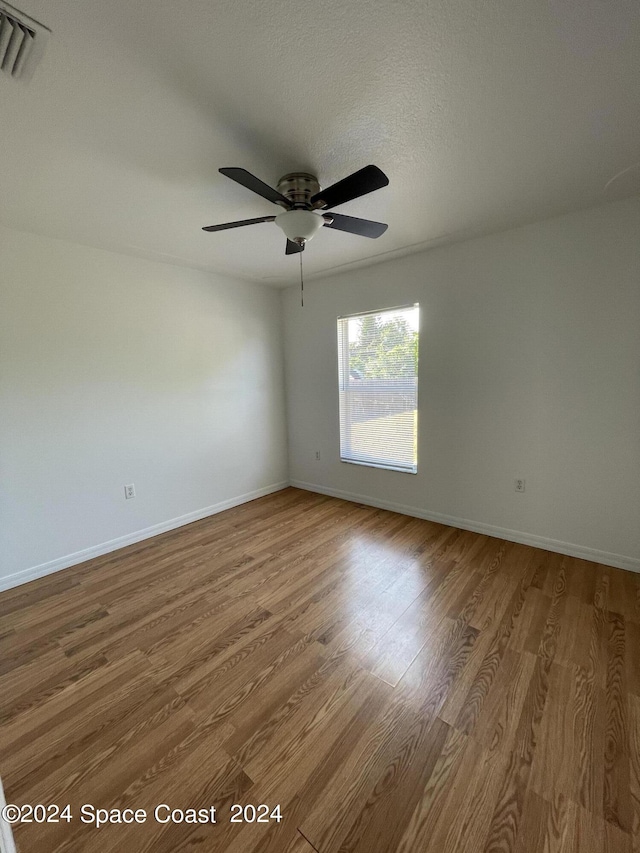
320,426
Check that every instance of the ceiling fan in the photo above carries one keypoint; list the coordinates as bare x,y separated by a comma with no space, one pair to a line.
303,201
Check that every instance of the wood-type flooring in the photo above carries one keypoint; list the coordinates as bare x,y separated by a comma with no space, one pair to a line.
394,685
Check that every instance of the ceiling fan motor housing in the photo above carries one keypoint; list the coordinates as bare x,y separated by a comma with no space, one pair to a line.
298,187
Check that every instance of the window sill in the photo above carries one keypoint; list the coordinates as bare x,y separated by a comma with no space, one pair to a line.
381,465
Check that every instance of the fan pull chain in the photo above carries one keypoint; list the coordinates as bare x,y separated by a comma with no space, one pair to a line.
301,283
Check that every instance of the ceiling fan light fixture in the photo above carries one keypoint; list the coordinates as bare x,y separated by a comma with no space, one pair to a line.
299,225
300,194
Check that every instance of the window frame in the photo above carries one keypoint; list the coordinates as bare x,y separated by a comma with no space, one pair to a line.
343,358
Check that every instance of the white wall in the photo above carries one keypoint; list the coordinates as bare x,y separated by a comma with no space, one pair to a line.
115,370
529,367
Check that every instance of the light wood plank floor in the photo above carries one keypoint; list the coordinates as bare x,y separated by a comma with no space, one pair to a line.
393,684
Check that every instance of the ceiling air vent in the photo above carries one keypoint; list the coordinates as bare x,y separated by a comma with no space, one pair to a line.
22,42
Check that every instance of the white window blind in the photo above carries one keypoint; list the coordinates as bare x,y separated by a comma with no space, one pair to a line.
378,388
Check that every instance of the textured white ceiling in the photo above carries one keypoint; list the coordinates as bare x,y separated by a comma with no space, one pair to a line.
484,114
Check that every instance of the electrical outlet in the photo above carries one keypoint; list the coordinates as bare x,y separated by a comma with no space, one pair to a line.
519,485
317,454
130,491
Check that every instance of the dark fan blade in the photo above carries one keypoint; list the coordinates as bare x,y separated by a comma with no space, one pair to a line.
293,248
246,179
239,224
363,227
360,183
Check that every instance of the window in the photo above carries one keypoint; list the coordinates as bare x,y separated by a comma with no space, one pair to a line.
378,388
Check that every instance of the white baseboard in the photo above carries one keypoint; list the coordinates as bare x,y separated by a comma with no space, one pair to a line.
570,549
43,569
607,558
7,844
